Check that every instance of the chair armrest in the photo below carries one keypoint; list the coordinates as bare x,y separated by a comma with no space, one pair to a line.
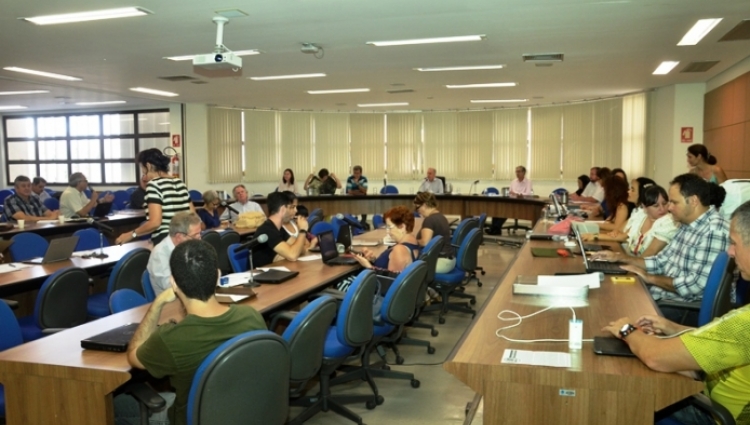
146,396
693,306
716,410
11,303
282,315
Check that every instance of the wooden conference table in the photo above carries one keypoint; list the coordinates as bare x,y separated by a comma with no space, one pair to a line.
122,221
595,390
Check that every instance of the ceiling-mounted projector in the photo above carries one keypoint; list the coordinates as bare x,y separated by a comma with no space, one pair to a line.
222,59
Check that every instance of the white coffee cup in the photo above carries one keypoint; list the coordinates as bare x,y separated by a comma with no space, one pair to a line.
21,224
61,219
340,248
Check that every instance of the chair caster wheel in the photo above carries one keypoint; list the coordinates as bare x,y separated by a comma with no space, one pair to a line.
472,301
399,360
482,275
371,404
380,400
430,350
479,284
441,320
415,383
434,332
386,367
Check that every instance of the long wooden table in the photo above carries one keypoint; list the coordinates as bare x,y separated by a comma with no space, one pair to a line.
121,222
596,390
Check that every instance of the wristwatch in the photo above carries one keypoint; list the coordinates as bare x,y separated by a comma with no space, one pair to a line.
133,235
302,231
626,330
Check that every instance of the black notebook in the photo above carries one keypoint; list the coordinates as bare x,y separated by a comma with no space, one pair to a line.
116,339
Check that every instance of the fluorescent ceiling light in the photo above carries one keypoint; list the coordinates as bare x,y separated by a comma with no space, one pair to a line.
428,40
237,53
106,102
699,30
499,100
338,91
94,15
287,77
11,107
375,105
19,92
152,91
665,67
41,73
479,86
460,68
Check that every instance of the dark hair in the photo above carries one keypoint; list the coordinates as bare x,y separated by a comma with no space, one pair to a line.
302,211
400,215
275,201
38,180
701,150
290,196
291,180
425,198
615,193
585,180
522,168
195,269
643,184
603,173
323,173
707,193
650,195
621,171
154,157
357,168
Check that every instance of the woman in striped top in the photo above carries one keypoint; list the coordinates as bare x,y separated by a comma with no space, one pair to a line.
165,197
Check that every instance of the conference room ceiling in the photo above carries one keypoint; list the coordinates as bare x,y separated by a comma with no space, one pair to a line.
610,48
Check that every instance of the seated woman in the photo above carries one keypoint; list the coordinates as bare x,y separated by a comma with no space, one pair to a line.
399,223
289,229
583,181
435,224
615,204
648,231
209,214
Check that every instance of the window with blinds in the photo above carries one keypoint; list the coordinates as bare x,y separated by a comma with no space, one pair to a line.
261,147
546,143
511,142
634,134
475,137
367,133
403,143
296,142
331,143
224,140
440,143
577,139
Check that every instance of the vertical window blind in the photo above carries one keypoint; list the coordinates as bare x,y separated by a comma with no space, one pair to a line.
441,144
402,145
634,135
608,133
578,139
367,142
224,141
261,147
296,142
511,142
475,137
546,143
331,144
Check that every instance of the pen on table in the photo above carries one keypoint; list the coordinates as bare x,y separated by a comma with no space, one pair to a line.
13,265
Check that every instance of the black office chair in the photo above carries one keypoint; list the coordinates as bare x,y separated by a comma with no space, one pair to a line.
228,237
213,238
126,274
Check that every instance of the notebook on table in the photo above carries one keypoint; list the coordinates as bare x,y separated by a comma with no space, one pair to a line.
59,250
274,276
115,340
605,267
328,252
611,346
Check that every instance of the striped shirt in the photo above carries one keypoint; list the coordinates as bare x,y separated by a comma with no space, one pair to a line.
172,195
15,204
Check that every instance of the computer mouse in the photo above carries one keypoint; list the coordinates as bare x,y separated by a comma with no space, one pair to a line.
563,253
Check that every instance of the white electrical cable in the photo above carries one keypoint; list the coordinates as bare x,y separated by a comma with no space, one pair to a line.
520,318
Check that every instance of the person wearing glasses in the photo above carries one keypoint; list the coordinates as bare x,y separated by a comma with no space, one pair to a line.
399,223
209,214
281,210
435,224
184,226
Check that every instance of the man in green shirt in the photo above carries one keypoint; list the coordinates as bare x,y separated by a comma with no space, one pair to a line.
177,350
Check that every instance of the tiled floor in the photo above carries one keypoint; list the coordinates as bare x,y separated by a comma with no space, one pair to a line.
441,398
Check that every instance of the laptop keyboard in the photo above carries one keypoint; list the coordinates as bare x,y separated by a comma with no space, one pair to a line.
606,267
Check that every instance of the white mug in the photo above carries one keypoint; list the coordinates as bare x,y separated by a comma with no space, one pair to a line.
21,224
340,248
61,219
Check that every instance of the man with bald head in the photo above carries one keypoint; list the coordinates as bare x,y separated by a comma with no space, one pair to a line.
432,183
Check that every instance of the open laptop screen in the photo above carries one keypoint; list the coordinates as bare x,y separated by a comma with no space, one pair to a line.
327,246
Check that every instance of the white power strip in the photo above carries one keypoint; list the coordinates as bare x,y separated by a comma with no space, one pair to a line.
555,291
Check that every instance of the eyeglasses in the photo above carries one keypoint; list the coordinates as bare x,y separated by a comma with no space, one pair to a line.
417,206
194,236
292,206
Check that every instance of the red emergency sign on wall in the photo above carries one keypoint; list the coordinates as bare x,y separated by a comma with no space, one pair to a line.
175,140
686,135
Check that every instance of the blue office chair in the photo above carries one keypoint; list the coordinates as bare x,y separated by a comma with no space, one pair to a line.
316,212
125,299
52,204
462,230
389,189
313,220
319,228
240,260
10,336
377,221
89,239
121,201
148,290
4,194
130,190
447,284
126,274
195,196
355,230
559,191
491,191
336,226
430,254
227,237
243,381
27,245
60,304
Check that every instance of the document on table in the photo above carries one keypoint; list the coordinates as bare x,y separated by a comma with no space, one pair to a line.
12,267
265,269
536,358
234,279
577,280
309,257
46,221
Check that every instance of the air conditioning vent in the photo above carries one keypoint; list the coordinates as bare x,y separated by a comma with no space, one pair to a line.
400,91
543,57
701,66
177,78
739,32
199,82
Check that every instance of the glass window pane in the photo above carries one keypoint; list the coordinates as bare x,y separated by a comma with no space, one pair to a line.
152,142
20,127
52,127
50,150
21,151
118,124
153,122
92,171
28,170
54,173
119,148
85,149
84,125
123,172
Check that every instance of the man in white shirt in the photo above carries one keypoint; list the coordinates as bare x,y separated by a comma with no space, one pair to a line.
242,205
593,192
432,183
37,189
74,202
184,226
521,185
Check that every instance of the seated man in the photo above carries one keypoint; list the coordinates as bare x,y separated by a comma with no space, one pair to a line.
280,211
37,189
184,226
718,348
356,185
325,182
521,186
176,350
242,204
74,202
431,183
680,270
594,192
22,205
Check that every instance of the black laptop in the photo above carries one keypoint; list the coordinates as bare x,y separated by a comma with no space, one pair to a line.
330,254
274,276
102,209
116,339
345,237
605,267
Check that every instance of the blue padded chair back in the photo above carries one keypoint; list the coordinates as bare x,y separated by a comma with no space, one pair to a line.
61,301
468,251
430,254
87,192
306,337
491,191
377,221
148,290
27,245
130,190
399,301
89,239
125,299
128,271
195,196
227,237
122,198
321,227
10,333
463,229
389,189
355,230
718,291
243,381
238,260
4,194
560,190
354,325
316,212
312,221
213,238
52,204
336,226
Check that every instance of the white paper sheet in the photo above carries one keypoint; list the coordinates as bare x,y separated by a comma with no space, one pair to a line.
234,279
577,280
310,257
13,267
536,358
265,269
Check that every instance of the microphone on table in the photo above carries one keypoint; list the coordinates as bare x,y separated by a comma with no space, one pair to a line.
473,186
349,221
229,207
101,226
252,243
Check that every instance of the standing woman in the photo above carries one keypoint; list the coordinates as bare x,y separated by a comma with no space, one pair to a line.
435,224
287,182
165,197
703,164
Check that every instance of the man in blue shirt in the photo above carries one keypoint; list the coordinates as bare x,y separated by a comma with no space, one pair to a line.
356,185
